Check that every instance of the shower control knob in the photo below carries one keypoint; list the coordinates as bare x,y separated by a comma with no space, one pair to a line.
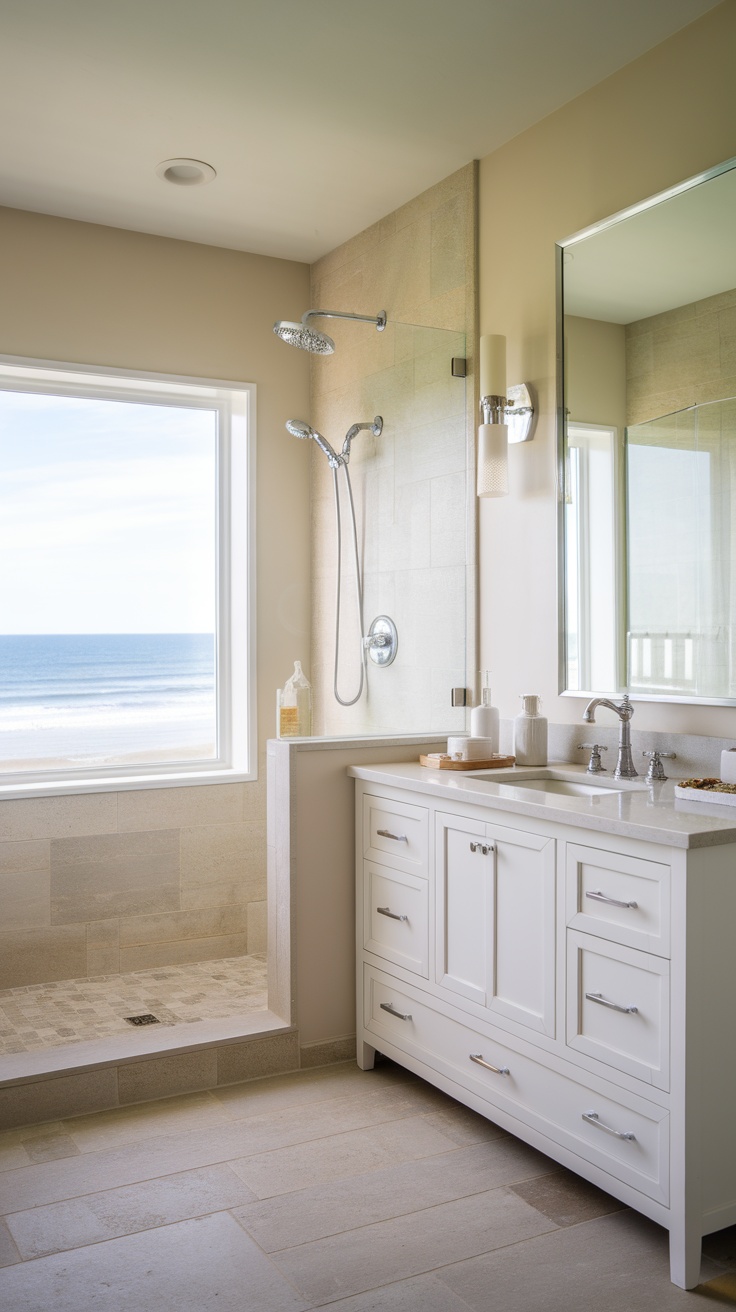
382,642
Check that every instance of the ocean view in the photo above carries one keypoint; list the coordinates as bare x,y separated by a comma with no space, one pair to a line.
81,699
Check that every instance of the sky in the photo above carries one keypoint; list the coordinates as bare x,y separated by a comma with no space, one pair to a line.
107,516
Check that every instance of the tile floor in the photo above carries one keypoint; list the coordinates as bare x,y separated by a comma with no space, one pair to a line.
72,1010
361,1191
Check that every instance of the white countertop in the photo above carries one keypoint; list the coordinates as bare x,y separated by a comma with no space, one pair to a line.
645,811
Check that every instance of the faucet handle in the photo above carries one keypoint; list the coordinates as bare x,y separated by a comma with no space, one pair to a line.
595,766
655,773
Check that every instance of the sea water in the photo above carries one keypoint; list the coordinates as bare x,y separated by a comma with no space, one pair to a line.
81,699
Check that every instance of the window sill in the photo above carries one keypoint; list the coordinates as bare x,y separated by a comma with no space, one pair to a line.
122,783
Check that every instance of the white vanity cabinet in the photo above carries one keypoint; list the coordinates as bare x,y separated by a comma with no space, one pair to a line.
575,985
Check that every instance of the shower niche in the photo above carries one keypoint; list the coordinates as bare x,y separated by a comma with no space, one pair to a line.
415,522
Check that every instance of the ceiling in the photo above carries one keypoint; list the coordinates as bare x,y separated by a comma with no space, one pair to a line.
319,116
669,254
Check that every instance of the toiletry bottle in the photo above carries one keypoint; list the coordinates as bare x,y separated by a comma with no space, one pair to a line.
530,733
484,718
294,706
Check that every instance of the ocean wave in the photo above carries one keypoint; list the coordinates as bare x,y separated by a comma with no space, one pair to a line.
37,718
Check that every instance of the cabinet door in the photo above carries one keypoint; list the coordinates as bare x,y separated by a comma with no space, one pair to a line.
496,919
464,891
523,928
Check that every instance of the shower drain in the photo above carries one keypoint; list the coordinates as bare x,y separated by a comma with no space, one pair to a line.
147,1019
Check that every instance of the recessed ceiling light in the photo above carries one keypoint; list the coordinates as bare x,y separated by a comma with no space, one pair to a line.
185,172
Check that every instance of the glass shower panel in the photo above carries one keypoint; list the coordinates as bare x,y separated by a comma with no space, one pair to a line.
681,473
412,501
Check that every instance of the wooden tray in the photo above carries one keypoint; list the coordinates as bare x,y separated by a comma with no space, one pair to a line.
438,762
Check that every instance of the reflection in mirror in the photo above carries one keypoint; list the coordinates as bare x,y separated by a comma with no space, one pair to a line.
648,447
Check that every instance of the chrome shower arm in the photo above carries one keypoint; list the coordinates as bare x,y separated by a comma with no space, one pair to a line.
378,319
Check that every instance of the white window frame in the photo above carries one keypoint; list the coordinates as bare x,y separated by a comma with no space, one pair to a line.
235,403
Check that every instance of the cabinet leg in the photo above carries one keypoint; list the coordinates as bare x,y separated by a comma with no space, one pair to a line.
366,1056
685,1252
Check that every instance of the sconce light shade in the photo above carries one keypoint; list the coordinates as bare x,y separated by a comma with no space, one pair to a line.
493,460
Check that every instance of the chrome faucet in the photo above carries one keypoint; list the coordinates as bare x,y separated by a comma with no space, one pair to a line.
624,765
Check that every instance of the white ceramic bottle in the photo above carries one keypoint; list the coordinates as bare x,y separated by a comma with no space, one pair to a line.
530,733
484,721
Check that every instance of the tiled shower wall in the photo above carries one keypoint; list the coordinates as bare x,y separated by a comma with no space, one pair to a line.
415,509
99,883
681,357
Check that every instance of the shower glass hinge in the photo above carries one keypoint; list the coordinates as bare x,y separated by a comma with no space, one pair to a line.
461,697
459,366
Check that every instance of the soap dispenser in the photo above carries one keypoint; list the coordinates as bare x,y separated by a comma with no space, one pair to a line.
294,706
530,733
484,722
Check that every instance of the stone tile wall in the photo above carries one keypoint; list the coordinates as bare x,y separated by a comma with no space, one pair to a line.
413,493
681,357
105,882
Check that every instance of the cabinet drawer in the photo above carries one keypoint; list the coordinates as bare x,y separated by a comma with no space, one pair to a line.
395,917
622,1134
618,1007
396,831
622,898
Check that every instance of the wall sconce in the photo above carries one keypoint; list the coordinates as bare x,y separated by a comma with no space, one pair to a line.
508,416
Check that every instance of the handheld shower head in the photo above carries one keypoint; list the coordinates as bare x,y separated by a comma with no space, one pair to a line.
306,338
310,339
298,428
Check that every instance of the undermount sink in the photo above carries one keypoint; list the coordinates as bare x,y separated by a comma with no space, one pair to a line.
566,787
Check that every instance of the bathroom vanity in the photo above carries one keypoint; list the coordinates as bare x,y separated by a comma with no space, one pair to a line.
562,962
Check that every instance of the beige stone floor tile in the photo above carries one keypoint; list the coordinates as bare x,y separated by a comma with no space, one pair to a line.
9,1254
410,1245
616,1263
421,1294
340,1155
296,1088
50,1182
463,1125
566,1199
115,1212
50,1147
328,1209
188,1111
205,1265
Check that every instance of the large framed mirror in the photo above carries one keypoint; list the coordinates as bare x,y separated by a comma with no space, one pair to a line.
647,447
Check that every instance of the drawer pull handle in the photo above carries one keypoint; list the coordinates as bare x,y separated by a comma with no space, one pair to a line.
592,1118
611,901
477,1057
386,833
603,1002
485,848
384,911
389,1007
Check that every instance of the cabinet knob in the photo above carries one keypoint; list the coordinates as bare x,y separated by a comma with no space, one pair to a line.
485,848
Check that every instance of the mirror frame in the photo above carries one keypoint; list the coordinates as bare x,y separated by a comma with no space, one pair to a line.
561,424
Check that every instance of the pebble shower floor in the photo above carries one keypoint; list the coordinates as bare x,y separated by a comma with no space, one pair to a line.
71,1010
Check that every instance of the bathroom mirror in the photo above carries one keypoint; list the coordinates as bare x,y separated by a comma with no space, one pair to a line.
647,447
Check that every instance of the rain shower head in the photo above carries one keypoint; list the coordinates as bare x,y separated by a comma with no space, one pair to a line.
298,428
306,338
310,339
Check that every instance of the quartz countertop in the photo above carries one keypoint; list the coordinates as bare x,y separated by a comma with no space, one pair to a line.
646,811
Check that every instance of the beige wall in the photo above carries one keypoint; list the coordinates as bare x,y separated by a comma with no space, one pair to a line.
663,118
410,487
135,879
595,385
681,357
